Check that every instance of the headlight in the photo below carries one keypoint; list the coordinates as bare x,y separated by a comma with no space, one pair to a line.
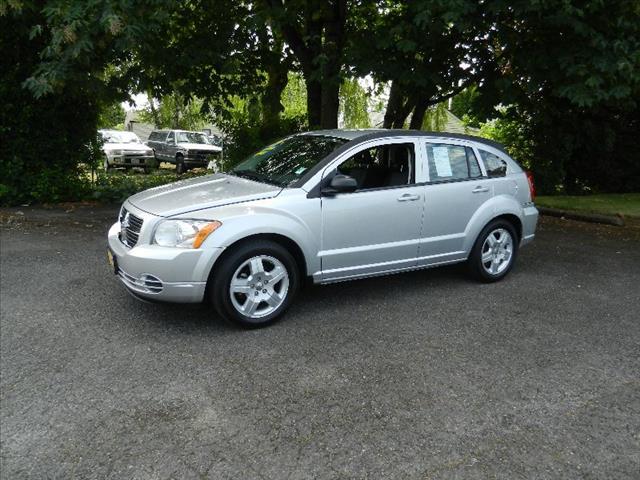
184,233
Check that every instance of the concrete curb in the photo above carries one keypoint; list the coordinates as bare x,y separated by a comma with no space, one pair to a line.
615,220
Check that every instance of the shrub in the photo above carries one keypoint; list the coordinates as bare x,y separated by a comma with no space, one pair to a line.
116,187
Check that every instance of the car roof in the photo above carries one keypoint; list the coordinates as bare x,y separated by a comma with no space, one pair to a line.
372,133
111,130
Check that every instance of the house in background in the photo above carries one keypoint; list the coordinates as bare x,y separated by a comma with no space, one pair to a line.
452,123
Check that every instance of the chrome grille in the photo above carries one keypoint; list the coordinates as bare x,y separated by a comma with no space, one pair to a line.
130,226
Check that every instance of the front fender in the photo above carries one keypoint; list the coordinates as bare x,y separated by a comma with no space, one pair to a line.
244,220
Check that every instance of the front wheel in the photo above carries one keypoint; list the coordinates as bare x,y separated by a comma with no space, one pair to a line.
254,284
494,252
180,166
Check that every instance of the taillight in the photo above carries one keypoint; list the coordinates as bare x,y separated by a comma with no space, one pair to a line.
532,186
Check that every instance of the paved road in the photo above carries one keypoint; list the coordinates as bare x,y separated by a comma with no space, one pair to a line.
422,375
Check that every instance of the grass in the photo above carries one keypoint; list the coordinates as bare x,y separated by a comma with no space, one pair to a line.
627,204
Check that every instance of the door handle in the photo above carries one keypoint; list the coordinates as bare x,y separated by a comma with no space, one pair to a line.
408,197
480,189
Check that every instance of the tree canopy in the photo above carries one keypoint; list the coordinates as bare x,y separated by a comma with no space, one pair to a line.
564,74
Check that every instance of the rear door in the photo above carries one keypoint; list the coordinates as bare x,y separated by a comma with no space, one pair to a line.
456,189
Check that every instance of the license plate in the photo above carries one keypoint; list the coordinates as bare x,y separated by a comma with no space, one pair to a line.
112,261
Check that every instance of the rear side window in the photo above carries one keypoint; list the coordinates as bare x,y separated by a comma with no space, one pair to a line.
154,136
451,162
495,166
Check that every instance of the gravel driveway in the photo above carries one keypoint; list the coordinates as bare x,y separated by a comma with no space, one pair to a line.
414,376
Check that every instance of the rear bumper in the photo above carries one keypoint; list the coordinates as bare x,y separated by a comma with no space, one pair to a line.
529,224
160,273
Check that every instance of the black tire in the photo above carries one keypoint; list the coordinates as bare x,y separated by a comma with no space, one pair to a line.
475,264
180,166
225,268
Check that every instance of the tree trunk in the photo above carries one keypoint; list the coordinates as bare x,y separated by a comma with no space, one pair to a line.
277,79
154,110
330,101
417,118
314,103
332,49
394,104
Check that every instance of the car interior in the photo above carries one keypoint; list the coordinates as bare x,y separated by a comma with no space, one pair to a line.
382,166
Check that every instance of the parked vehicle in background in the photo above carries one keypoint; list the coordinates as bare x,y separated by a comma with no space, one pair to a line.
329,206
183,148
125,149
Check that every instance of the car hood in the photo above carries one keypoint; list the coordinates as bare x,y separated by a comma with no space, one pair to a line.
200,193
135,147
199,146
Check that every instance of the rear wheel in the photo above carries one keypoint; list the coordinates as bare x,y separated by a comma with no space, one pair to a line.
254,284
494,252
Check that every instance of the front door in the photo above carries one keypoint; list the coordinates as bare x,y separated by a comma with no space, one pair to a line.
455,191
376,228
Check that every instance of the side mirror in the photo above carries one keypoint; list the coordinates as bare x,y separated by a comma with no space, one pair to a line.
340,184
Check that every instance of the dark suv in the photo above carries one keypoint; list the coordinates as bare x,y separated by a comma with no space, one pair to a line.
182,148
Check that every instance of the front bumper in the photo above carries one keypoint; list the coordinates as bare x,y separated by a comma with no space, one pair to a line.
199,159
160,273
133,160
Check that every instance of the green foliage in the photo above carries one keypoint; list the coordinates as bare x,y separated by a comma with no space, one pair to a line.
116,186
43,140
435,118
354,104
176,111
294,97
111,116
244,125
567,69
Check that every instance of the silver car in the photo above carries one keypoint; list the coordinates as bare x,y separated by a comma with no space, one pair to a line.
326,206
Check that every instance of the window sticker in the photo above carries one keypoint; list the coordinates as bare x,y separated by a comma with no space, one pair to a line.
442,162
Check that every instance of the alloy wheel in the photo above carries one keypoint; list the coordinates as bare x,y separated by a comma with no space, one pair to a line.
259,286
497,251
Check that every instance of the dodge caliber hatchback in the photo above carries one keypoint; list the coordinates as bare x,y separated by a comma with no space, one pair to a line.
328,206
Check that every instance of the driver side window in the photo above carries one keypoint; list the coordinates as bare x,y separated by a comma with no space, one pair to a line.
381,166
171,138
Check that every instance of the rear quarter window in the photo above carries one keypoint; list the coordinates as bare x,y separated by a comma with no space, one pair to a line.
494,165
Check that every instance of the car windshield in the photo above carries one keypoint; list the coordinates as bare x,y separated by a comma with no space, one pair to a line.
120,137
191,137
286,161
